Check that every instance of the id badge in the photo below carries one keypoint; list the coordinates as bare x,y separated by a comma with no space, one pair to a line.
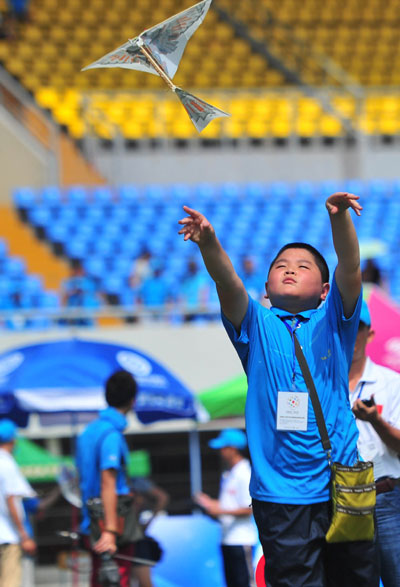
292,412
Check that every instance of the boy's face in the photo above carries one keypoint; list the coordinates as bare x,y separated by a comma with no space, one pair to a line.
295,282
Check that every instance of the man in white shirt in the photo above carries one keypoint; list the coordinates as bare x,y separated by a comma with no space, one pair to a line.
233,509
14,538
378,422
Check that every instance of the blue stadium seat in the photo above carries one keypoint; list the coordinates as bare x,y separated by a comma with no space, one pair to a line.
76,248
180,193
280,190
355,186
41,216
58,233
121,265
33,284
205,191
49,300
51,195
328,187
113,284
95,266
77,194
14,267
102,195
379,188
255,191
24,198
304,190
230,191
129,194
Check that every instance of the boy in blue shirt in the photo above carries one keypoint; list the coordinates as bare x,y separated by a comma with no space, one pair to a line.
290,471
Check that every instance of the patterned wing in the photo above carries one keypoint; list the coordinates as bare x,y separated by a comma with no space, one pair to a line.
167,41
127,56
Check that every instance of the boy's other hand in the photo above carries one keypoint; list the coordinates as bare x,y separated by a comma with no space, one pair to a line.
340,201
196,227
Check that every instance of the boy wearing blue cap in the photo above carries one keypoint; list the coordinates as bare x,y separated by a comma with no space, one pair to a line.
233,508
375,397
14,538
290,477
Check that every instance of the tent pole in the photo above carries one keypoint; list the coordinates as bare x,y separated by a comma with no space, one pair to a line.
195,461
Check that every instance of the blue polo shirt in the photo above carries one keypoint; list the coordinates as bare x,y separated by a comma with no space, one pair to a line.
101,446
291,466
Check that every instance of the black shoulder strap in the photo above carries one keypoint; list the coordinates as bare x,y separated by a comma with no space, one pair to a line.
326,443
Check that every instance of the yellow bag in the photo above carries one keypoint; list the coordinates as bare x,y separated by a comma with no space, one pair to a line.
353,503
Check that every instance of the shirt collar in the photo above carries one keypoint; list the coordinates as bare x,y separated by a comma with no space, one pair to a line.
117,419
282,314
368,375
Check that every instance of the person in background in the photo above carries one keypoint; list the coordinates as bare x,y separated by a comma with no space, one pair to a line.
252,280
375,398
102,454
233,508
79,291
35,506
371,274
14,538
193,292
154,292
142,269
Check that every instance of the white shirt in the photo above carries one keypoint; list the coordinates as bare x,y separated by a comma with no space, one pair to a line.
234,493
385,385
12,483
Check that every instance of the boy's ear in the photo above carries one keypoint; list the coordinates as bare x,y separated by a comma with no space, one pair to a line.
266,291
325,290
371,335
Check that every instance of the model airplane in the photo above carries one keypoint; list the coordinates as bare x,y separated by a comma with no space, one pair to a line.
158,50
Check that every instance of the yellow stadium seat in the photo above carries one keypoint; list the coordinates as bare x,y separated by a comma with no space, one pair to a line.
257,129
329,126
182,128
388,125
306,127
281,127
235,128
46,97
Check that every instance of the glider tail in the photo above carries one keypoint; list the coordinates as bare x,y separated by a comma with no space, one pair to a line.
200,112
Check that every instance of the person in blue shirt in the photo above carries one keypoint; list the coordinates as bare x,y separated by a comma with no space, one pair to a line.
102,453
290,471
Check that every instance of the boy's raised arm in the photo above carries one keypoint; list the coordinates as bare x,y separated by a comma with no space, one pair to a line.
231,291
348,272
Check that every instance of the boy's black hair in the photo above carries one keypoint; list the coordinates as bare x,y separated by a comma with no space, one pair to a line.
121,389
319,259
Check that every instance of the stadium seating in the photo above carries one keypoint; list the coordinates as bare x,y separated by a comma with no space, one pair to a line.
250,218
22,291
56,42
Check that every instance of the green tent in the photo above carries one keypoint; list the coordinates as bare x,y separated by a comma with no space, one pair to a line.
39,465
227,399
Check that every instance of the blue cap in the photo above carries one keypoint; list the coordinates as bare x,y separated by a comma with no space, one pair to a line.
229,437
365,316
8,431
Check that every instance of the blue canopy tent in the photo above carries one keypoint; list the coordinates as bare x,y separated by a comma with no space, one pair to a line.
63,382
68,376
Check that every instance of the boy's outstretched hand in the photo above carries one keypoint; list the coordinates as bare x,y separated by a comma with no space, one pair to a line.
196,227
340,201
